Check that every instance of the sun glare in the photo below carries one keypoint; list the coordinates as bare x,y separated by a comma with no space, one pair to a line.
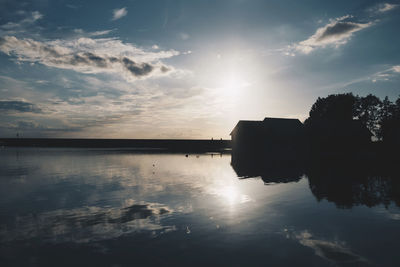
230,194
232,83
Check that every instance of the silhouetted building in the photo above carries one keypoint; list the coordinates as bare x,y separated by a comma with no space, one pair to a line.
275,137
270,170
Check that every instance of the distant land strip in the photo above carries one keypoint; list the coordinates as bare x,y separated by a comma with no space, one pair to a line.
175,145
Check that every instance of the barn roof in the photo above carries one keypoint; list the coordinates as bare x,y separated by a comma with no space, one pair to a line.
281,124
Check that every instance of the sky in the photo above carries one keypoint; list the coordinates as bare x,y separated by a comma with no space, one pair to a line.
186,69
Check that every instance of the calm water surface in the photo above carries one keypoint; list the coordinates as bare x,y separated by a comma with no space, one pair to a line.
70,207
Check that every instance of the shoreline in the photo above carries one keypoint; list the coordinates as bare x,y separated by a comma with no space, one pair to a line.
176,145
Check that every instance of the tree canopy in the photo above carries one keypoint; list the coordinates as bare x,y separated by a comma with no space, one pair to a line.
382,118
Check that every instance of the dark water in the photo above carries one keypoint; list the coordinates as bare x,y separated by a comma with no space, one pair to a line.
61,207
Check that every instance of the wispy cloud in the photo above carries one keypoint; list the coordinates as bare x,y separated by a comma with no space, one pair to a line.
184,36
106,106
12,27
31,126
78,33
338,31
385,7
82,33
72,6
396,68
387,74
335,33
18,106
119,13
88,55
100,33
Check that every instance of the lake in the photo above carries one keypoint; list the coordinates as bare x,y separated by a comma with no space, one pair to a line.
79,207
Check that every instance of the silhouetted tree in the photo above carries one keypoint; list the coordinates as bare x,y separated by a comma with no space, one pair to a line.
386,113
330,128
349,184
390,122
382,118
337,108
368,110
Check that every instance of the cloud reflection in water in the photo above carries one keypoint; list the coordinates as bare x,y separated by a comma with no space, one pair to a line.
334,251
89,224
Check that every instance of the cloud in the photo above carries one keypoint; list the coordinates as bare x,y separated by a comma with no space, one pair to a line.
88,55
386,75
103,106
82,33
184,36
79,31
141,69
29,127
381,77
12,27
72,6
335,33
18,106
396,68
34,16
119,13
100,33
385,7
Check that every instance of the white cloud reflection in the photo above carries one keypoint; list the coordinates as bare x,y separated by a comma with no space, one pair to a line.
335,251
89,224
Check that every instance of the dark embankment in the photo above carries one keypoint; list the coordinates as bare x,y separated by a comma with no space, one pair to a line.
176,145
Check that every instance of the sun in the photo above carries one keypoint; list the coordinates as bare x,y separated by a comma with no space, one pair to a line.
232,83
